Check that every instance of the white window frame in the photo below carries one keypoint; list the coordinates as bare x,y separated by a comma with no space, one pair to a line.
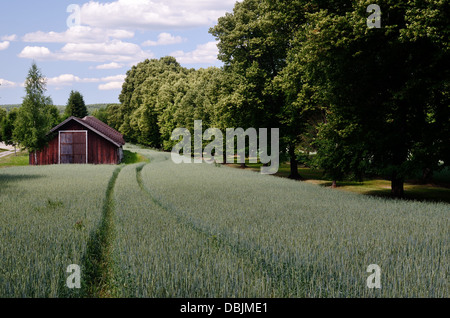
71,131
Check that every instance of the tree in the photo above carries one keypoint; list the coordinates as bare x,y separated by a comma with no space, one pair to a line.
254,42
3,114
101,114
76,106
33,123
385,90
141,99
7,128
252,47
53,115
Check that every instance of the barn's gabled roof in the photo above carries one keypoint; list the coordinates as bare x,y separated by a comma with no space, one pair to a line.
96,126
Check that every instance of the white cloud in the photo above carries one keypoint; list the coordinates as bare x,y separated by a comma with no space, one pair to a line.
113,82
164,39
7,84
110,86
153,14
10,38
4,45
114,47
112,51
69,79
116,78
109,82
109,66
78,34
204,53
36,52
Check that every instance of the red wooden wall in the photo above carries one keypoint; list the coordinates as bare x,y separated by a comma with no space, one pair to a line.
100,150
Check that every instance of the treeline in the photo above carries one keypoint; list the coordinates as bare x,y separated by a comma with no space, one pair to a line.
161,95
91,108
367,100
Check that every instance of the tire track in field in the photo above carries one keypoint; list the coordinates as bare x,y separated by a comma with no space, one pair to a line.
280,272
97,271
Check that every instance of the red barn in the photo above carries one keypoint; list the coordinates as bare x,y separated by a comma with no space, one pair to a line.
76,140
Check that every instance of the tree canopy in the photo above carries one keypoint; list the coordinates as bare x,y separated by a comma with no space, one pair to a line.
75,106
366,100
33,120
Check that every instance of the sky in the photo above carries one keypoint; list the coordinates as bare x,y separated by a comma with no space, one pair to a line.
88,46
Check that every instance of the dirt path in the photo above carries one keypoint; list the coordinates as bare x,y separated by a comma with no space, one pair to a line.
5,153
5,147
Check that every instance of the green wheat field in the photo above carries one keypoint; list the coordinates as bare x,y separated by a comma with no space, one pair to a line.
157,229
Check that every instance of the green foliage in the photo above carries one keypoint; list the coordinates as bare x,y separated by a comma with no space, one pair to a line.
76,106
101,114
7,127
368,100
386,106
54,115
139,111
3,115
130,157
33,120
160,95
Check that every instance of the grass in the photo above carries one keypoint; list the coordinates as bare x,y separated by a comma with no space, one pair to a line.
47,215
157,229
306,240
162,255
130,157
21,159
98,262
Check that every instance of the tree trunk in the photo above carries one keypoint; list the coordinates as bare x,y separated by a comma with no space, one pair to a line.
427,176
397,188
294,164
334,184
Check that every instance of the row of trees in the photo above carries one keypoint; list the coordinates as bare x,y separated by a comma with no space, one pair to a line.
28,125
368,100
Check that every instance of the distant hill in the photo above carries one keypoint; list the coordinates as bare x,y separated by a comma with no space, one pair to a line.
93,107
90,107
9,107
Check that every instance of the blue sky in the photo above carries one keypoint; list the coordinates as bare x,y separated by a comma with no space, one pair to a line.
90,48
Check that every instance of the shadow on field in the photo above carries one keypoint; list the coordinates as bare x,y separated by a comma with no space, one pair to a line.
412,192
7,180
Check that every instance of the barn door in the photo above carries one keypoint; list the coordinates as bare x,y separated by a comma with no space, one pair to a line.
73,147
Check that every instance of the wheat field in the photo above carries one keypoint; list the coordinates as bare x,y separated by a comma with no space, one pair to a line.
200,230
